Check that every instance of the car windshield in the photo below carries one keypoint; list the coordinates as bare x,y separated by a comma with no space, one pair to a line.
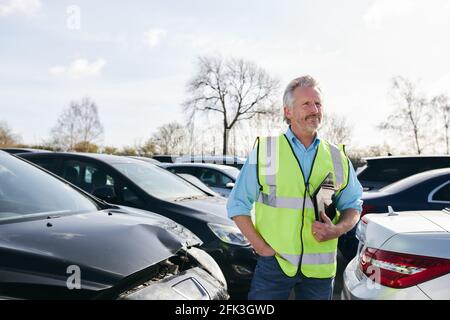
158,182
26,190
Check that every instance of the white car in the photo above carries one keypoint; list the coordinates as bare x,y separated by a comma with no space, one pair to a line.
218,177
401,256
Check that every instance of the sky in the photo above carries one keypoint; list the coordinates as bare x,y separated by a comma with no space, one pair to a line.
134,59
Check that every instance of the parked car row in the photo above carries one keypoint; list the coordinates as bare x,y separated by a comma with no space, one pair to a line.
59,242
134,183
171,233
400,248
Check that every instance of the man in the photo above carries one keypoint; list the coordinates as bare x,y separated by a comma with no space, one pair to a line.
296,249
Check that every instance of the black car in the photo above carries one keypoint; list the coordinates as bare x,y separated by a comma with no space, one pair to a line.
165,158
429,190
58,242
381,171
138,184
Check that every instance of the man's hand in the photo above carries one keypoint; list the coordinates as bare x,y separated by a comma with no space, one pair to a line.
245,224
266,251
326,230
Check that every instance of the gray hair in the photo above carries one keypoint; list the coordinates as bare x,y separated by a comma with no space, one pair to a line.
303,81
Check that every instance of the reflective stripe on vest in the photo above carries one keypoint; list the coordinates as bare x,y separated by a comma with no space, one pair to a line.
310,258
284,202
337,163
271,199
271,161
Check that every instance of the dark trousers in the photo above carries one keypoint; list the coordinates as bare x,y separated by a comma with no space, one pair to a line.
270,283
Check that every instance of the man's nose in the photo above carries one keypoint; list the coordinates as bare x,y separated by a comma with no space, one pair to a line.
313,107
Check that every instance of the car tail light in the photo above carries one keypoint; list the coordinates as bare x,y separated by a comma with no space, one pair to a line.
367,208
400,270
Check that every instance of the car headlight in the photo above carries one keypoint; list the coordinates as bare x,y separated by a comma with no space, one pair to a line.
208,263
229,234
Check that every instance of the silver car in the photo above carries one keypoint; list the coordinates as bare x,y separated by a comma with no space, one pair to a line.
219,178
403,255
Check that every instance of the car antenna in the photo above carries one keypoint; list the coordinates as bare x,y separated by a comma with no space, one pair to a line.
391,212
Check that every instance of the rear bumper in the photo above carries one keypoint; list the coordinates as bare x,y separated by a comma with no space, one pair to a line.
358,286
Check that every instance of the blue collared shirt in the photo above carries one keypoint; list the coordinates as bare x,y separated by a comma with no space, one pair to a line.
246,189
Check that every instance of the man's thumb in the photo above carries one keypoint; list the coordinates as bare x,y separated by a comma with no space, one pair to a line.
325,217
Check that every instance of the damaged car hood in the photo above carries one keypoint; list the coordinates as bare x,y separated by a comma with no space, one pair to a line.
105,246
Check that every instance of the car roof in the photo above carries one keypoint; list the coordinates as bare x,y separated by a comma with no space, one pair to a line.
23,150
210,158
107,158
146,159
199,165
416,178
407,157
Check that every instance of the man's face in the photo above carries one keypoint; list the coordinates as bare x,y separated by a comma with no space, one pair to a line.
306,113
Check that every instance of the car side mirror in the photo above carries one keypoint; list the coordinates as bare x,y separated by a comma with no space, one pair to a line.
229,185
105,193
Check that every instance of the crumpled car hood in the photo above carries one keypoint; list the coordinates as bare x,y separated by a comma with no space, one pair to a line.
107,246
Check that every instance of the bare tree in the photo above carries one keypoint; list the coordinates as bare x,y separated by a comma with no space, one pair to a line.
85,146
411,116
78,123
235,89
145,149
336,129
169,137
442,105
7,137
357,155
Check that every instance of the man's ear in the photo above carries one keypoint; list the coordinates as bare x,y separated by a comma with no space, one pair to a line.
287,113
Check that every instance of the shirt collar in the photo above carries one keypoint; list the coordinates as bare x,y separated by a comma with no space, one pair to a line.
293,139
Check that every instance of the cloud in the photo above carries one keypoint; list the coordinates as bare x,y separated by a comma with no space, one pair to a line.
382,10
79,68
27,7
154,36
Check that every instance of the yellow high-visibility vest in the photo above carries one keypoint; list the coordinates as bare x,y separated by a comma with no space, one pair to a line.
284,211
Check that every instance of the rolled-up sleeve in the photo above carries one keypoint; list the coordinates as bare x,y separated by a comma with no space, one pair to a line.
246,189
350,197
